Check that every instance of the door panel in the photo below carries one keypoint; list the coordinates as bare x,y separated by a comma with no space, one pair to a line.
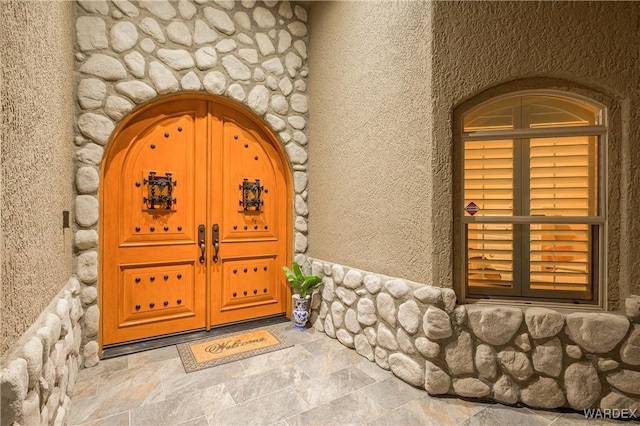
181,165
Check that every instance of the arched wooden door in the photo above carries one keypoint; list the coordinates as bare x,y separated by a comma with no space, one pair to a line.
195,220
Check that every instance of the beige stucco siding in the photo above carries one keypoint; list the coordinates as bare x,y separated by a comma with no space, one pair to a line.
385,84
591,48
37,171
370,189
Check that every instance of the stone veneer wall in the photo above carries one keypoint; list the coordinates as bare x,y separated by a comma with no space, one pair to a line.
40,375
535,356
129,53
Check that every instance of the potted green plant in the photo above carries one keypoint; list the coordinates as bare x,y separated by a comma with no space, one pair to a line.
302,286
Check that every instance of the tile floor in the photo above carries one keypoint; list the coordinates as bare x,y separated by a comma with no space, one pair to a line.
316,382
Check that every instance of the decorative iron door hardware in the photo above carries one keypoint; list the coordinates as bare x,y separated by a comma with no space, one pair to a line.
251,192
201,242
215,234
160,190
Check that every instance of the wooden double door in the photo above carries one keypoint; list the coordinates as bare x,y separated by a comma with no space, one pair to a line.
194,221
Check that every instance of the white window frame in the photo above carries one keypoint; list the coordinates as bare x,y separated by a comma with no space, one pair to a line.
599,221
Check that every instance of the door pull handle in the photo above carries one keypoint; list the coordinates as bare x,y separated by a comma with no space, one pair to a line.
201,242
215,234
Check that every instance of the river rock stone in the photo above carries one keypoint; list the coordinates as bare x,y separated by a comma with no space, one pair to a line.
297,28
296,154
265,45
163,79
215,82
91,317
366,312
236,69
87,210
301,47
160,8
582,385
202,33
348,297
279,104
429,295
386,308
284,41
386,338
427,348
547,357
87,180
127,8
543,323
398,288
515,363
32,353
226,45
436,381
573,351
494,325
449,299
522,342
95,6
91,33
363,347
607,364
632,307
137,91
124,36
274,66
459,355
179,33
381,358
543,393
630,350
353,279
470,387
118,107
406,369
135,63
187,9
404,341
178,59
409,316
297,122
627,381
615,400
96,127
337,311
91,92
596,332
259,99
104,67
329,329
505,391
220,20
285,9
345,337
373,283
328,289
89,295
436,324
486,362
263,17
87,267
351,321
151,27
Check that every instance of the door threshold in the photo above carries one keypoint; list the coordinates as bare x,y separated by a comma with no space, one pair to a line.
127,348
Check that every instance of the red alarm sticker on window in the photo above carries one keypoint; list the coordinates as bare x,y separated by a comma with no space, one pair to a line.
472,208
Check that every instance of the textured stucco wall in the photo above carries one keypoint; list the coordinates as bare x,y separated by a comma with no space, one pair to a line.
36,159
386,81
585,45
369,152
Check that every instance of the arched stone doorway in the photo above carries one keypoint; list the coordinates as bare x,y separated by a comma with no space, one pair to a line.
195,220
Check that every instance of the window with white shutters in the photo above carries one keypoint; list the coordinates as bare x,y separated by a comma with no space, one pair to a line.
532,209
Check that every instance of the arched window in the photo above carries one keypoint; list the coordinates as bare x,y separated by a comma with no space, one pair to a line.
532,207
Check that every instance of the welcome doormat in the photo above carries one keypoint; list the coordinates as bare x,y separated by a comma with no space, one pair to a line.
218,350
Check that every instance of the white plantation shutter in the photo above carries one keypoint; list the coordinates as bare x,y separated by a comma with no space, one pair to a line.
532,189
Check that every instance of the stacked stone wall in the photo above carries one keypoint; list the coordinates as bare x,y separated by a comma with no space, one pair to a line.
129,53
535,356
39,375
